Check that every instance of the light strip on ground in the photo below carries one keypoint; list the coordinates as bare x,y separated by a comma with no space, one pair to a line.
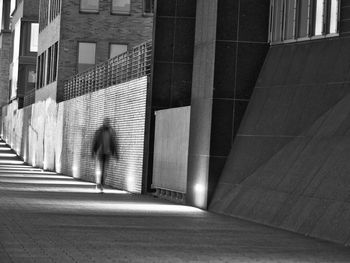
17,166
108,206
11,172
8,154
11,162
21,169
24,180
36,175
61,189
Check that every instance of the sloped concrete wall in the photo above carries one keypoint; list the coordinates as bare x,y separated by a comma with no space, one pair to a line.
58,137
289,165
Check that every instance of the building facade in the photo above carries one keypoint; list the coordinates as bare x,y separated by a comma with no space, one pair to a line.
24,29
76,35
5,48
269,98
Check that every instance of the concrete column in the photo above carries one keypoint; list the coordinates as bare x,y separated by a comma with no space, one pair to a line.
230,48
202,103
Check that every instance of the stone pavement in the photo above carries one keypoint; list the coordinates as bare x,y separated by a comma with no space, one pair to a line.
46,217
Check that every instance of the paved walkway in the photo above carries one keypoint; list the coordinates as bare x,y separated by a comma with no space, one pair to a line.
45,217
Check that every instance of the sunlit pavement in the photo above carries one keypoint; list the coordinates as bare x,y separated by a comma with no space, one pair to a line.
46,217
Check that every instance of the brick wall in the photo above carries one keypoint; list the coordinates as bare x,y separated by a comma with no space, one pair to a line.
63,143
102,28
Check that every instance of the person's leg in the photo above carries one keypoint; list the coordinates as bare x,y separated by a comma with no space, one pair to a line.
103,167
98,172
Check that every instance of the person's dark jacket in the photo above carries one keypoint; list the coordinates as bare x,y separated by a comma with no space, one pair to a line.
104,142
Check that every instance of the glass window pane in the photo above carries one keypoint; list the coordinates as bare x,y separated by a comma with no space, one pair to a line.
121,6
86,57
277,21
319,17
89,5
34,35
333,23
289,19
303,21
55,61
149,6
12,6
1,11
116,49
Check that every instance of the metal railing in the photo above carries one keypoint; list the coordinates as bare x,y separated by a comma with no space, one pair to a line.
132,64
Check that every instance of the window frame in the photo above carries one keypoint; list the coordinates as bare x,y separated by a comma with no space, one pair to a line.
41,70
30,36
144,7
78,52
121,13
329,17
113,43
13,7
277,33
89,11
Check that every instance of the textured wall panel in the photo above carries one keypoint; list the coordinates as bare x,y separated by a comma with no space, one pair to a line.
171,149
125,106
59,136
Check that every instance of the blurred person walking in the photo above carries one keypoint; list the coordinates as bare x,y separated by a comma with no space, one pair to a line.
104,146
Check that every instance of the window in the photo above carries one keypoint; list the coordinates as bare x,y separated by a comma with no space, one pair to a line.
148,6
52,55
13,6
303,8
117,49
41,70
86,55
55,61
16,40
43,16
1,14
120,6
333,16
275,20
5,15
319,15
34,36
29,38
302,19
289,23
47,66
89,6
54,9
15,59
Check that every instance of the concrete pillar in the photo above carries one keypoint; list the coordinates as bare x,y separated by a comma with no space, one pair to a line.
230,48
